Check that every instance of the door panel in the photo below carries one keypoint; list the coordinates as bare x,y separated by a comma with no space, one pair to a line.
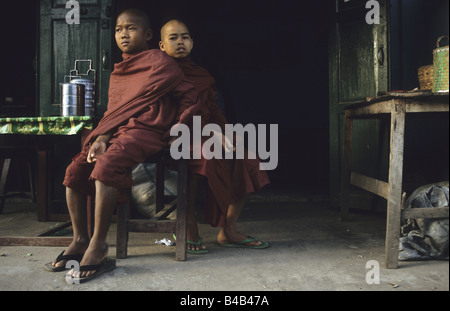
60,44
359,68
356,61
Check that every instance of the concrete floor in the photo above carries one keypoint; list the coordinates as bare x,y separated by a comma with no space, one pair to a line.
312,249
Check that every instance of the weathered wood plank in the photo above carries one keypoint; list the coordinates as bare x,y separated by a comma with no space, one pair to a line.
425,212
35,241
122,232
346,159
168,208
394,205
55,229
370,184
372,109
412,106
417,107
160,226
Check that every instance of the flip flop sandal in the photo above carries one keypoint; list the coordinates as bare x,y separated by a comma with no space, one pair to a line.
193,251
196,251
61,257
244,244
105,266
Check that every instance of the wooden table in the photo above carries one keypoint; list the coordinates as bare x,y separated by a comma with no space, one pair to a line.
44,127
397,106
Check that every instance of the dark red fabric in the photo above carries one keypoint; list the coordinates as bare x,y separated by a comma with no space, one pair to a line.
137,84
148,93
207,92
113,168
229,181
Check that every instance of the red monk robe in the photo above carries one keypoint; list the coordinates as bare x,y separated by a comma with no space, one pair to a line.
141,111
229,181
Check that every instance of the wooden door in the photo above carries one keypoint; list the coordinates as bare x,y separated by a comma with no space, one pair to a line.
61,43
359,68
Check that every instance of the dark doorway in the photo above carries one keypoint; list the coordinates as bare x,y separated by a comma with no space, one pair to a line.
270,61
269,58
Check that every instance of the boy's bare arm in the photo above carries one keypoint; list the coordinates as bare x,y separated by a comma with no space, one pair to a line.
104,138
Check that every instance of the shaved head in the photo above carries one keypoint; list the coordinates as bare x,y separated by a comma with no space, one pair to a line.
141,15
132,31
170,23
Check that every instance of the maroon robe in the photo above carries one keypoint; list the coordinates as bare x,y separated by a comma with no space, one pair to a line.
136,88
141,111
229,181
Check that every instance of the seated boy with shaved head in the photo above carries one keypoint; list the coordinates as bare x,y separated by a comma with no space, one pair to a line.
147,95
229,181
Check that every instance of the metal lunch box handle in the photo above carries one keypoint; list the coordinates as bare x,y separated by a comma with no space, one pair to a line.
438,41
77,74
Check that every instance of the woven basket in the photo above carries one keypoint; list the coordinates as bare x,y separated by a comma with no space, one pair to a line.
426,77
440,64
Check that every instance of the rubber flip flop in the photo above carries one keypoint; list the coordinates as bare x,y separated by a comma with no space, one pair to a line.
193,251
105,266
198,251
244,244
61,257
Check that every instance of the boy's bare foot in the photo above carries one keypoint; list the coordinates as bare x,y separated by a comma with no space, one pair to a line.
230,237
76,248
94,255
193,236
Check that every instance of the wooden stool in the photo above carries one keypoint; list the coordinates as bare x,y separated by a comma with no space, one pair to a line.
158,223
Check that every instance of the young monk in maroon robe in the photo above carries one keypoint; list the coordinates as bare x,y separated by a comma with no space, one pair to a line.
229,181
140,113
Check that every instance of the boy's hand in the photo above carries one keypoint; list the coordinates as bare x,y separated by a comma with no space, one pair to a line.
97,148
227,145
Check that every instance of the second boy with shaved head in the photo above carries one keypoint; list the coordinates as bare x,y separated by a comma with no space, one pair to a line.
229,181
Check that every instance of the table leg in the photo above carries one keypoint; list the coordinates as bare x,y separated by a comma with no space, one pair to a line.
5,171
345,168
395,184
42,185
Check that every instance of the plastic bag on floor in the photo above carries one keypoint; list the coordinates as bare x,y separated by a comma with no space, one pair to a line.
426,238
143,193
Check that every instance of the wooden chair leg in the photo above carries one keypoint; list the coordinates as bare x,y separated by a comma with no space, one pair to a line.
123,222
122,232
90,212
181,224
159,195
